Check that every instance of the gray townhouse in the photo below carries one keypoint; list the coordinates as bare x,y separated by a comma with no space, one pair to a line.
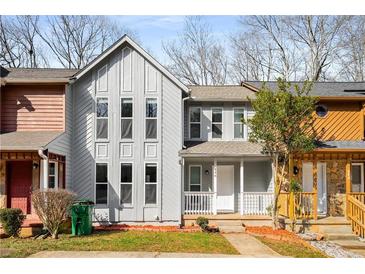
147,148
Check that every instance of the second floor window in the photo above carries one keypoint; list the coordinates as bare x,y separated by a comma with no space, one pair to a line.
195,120
217,124
102,118
238,123
126,123
151,118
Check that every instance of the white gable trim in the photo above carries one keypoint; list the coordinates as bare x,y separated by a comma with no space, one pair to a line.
140,50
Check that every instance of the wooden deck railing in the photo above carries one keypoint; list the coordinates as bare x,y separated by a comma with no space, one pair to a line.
303,205
296,205
199,202
356,212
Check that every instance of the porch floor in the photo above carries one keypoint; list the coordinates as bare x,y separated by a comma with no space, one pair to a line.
226,216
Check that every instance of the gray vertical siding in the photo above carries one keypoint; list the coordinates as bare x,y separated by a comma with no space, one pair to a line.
82,138
129,75
171,144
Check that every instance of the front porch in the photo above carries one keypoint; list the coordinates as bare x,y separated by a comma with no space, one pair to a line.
229,187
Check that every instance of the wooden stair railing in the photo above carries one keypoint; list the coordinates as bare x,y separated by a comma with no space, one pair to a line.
356,212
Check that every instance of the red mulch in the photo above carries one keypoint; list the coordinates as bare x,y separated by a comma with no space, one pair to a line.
124,227
278,234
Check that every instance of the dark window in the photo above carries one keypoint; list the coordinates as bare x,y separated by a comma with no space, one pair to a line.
126,118
101,194
151,184
101,173
101,189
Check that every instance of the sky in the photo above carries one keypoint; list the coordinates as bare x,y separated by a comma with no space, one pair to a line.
153,30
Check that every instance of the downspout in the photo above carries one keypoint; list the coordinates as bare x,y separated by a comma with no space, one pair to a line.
43,153
182,161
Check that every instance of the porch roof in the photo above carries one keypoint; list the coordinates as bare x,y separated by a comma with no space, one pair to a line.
27,140
342,145
221,148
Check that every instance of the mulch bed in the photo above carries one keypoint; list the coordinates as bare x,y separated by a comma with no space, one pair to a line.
124,227
279,234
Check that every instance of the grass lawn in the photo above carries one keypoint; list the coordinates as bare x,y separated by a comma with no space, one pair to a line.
292,249
197,242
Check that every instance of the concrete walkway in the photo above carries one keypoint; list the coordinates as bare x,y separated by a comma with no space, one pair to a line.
115,254
249,246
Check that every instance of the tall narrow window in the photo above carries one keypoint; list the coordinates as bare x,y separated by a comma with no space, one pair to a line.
126,182
195,120
151,118
102,118
150,196
238,123
52,175
101,188
195,178
126,123
217,123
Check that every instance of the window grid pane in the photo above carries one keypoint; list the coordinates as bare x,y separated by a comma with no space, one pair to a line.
217,124
238,124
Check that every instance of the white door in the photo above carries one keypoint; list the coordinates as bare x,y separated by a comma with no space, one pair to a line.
225,188
322,188
307,177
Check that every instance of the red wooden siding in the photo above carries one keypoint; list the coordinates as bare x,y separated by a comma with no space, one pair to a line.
28,108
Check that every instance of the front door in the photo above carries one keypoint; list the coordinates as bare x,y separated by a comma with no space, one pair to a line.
225,188
19,174
322,188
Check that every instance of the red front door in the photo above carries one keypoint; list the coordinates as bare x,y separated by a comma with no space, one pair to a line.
19,185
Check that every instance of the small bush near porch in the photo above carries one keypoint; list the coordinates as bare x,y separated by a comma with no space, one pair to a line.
197,242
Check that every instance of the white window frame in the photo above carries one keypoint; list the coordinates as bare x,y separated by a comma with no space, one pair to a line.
362,186
55,175
126,183
200,123
151,118
102,183
147,183
98,82
100,118
239,123
216,123
121,118
201,177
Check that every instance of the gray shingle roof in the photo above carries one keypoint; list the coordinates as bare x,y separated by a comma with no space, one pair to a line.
37,74
221,93
27,140
221,148
342,144
324,89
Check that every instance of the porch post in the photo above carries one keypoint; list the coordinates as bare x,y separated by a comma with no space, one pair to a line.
315,189
44,174
241,184
215,187
182,187
348,182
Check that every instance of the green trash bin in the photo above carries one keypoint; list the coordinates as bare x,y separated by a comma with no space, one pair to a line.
81,218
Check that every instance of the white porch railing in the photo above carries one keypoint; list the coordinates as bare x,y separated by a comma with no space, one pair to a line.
256,203
199,202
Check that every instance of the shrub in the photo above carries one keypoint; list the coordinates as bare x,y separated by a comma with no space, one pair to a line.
202,222
11,220
51,207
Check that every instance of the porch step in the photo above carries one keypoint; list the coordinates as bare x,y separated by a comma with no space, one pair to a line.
335,229
230,226
341,236
351,244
